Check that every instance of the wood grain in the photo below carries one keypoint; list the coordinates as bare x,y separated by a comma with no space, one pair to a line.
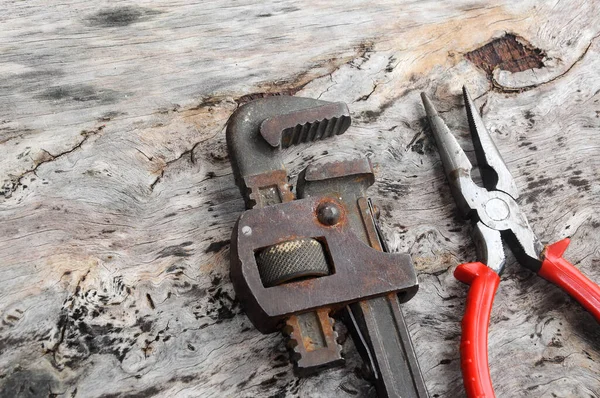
118,199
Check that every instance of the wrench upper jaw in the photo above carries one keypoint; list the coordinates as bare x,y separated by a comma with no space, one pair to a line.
307,125
258,130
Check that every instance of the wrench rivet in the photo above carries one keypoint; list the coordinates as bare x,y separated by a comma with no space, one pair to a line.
246,230
328,213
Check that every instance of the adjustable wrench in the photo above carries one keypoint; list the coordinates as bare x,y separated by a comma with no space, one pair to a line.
295,262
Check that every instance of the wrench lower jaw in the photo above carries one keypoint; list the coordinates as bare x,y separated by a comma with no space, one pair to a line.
313,342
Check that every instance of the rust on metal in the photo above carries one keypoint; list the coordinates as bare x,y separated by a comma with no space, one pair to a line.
269,188
327,171
360,271
273,242
313,340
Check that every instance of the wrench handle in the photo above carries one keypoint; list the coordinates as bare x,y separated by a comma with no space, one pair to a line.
564,275
474,339
382,337
380,332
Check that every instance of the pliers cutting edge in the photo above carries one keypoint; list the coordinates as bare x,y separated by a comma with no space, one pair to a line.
496,216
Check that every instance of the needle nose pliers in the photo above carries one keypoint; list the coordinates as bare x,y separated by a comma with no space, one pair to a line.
495,214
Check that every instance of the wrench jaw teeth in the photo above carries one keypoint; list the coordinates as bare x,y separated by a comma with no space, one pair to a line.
306,125
314,131
312,342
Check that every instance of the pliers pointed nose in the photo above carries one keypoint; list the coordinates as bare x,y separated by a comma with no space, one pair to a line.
495,174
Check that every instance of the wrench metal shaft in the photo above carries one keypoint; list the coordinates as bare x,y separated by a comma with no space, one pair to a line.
390,351
379,326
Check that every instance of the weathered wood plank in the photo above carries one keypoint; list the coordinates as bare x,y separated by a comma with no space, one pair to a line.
118,199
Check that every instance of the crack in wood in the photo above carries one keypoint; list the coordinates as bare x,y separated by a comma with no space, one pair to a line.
8,190
367,96
296,84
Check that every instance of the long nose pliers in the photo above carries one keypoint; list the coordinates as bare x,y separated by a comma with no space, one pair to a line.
496,216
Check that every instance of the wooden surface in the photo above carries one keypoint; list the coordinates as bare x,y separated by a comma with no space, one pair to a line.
118,199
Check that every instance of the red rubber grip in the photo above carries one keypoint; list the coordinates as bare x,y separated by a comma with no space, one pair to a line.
564,275
474,340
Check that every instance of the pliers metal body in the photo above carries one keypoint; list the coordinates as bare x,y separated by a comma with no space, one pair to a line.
496,216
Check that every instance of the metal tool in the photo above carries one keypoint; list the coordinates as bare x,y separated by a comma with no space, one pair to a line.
296,262
496,216
376,324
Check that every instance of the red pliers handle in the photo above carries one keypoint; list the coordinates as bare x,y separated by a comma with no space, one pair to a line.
564,275
484,283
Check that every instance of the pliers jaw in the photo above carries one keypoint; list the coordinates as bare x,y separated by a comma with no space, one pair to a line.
457,166
494,173
493,209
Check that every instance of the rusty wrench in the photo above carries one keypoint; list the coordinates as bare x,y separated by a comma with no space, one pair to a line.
320,229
